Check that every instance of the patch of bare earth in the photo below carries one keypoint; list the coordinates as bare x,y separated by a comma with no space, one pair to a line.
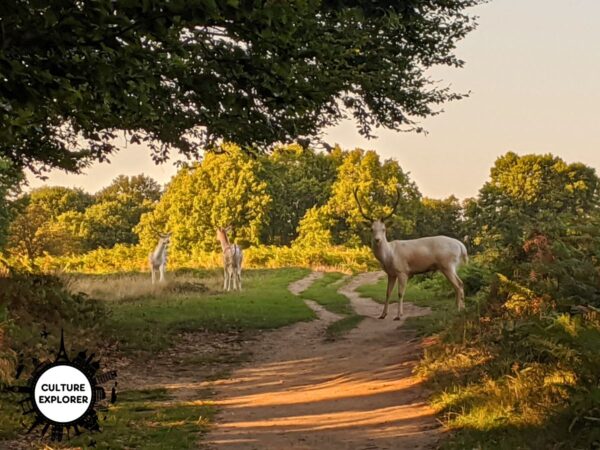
301,392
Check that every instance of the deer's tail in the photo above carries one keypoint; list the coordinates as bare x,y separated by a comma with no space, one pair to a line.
464,257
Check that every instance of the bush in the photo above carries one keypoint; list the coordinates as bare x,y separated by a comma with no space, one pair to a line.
128,258
35,304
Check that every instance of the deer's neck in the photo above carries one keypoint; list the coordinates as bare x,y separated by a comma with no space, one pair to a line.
224,242
160,251
383,253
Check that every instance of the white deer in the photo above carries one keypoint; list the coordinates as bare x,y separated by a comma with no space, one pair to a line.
232,261
158,258
402,259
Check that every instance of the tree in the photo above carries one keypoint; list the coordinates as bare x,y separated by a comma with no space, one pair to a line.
224,189
117,211
377,184
435,217
189,73
297,179
529,196
111,222
139,188
56,200
10,182
40,223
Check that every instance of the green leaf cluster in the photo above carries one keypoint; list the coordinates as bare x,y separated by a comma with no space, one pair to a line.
186,74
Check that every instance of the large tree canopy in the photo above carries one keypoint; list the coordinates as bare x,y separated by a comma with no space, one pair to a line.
185,74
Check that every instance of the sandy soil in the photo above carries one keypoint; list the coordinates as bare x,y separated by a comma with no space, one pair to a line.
301,392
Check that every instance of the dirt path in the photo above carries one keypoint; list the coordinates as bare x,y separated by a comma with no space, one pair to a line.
300,392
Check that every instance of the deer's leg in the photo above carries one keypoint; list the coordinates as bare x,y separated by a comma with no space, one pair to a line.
153,275
402,281
225,278
390,286
457,283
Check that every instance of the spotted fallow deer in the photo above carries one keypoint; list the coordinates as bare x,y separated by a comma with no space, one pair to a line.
232,261
402,259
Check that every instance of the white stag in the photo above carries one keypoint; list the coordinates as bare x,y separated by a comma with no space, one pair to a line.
402,259
158,258
232,261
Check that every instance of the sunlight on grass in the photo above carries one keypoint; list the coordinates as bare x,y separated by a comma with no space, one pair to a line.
422,292
325,292
151,419
151,322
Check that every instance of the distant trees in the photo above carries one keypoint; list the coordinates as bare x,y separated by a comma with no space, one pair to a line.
297,179
528,195
117,210
533,206
435,216
59,220
339,221
224,189
44,222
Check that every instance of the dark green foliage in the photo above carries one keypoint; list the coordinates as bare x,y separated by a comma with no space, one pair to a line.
297,179
139,187
439,217
117,211
526,196
10,182
34,303
184,74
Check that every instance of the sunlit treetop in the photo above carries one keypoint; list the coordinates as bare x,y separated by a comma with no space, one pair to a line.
183,75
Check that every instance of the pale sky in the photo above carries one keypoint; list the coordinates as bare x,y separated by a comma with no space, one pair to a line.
533,69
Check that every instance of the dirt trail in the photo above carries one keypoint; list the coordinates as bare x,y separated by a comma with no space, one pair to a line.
300,392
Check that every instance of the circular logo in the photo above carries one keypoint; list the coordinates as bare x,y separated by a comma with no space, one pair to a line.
63,394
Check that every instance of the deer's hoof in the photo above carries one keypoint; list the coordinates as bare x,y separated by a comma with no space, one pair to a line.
382,316
397,318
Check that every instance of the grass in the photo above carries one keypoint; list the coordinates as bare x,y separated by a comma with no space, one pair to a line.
150,323
501,382
150,419
340,327
137,286
148,318
421,292
324,291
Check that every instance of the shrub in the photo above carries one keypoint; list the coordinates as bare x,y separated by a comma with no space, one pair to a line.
34,304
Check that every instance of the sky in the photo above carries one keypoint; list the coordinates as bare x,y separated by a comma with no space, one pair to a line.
533,73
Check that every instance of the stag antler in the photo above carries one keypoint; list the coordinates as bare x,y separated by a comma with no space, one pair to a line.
156,232
383,219
370,219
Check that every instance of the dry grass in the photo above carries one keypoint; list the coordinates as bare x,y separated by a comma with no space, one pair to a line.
135,286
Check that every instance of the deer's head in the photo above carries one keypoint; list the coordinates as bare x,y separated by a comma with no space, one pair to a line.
378,225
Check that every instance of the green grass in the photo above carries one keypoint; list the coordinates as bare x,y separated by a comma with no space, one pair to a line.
324,291
421,292
150,419
265,303
340,327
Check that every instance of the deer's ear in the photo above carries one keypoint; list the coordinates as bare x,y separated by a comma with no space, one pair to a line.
228,228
